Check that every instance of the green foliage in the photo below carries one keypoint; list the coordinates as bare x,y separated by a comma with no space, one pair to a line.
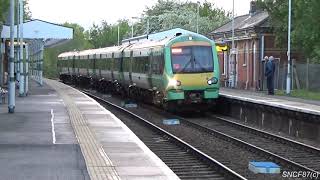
80,41
107,34
168,14
302,93
305,24
164,15
4,9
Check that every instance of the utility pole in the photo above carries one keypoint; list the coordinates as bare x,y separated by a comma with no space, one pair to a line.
11,104
148,24
288,53
22,72
232,76
118,34
132,30
17,62
198,16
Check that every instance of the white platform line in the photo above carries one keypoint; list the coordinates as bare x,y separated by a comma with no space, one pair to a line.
52,128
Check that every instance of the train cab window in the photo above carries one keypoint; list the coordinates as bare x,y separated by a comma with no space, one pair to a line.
192,59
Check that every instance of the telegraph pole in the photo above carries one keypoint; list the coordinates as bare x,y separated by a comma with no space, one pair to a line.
232,76
118,34
11,103
288,53
148,24
132,30
22,72
198,3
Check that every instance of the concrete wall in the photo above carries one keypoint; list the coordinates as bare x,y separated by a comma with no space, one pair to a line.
277,120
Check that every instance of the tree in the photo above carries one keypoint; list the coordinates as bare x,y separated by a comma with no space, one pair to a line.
305,24
107,34
4,9
80,41
167,14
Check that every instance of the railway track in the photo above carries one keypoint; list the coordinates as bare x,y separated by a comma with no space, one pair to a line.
221,128
289,153
286,151
185,160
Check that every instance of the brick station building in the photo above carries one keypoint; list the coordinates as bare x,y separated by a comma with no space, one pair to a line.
253,40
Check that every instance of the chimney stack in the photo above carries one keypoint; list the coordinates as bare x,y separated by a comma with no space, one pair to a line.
253,8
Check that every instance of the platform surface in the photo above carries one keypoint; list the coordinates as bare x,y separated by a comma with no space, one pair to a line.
58,132
290,103
28,148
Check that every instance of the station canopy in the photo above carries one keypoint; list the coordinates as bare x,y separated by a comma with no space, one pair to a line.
51,34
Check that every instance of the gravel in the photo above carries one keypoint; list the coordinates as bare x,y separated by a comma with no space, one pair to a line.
236,158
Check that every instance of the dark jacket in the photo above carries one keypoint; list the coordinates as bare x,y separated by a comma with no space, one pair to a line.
270,69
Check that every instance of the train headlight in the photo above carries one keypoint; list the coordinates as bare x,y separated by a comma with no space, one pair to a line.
174,82
213,80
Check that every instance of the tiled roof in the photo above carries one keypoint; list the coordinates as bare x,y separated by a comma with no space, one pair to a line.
243,22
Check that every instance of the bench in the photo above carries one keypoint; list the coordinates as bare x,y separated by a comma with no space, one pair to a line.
3,93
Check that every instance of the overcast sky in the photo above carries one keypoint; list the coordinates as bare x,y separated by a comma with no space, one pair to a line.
87,12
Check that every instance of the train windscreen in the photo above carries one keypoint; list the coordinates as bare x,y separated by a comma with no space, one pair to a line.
192,59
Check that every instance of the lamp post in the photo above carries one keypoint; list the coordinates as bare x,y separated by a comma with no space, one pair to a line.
148,24
118,34
288,53
198,16
232,76
22,72
132,30
11,103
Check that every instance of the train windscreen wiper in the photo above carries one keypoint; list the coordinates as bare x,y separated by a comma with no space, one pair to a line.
200,66
186,65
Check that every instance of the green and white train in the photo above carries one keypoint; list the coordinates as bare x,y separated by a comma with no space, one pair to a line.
183,69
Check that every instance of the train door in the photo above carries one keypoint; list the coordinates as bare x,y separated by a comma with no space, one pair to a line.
112,66
149,67
130,67
73,66
93,65
121,73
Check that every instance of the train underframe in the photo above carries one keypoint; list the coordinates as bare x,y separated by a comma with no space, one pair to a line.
134,93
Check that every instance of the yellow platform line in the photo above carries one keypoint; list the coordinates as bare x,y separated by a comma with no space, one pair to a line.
98,164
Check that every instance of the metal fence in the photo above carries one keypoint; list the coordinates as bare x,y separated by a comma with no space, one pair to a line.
304,76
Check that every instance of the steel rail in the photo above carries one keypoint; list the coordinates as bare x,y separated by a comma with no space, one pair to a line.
227,172
249,146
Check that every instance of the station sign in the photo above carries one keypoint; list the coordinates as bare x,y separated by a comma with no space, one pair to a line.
221,48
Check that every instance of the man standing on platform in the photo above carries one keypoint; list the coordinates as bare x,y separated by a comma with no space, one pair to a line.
269,73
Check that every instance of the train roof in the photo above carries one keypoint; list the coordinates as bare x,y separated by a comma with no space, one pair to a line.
117,50
68,54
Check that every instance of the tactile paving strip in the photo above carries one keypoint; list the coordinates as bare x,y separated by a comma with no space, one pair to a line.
98,164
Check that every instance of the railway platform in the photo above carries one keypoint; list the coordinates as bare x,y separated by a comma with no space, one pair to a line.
57,132
285,102
288,116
